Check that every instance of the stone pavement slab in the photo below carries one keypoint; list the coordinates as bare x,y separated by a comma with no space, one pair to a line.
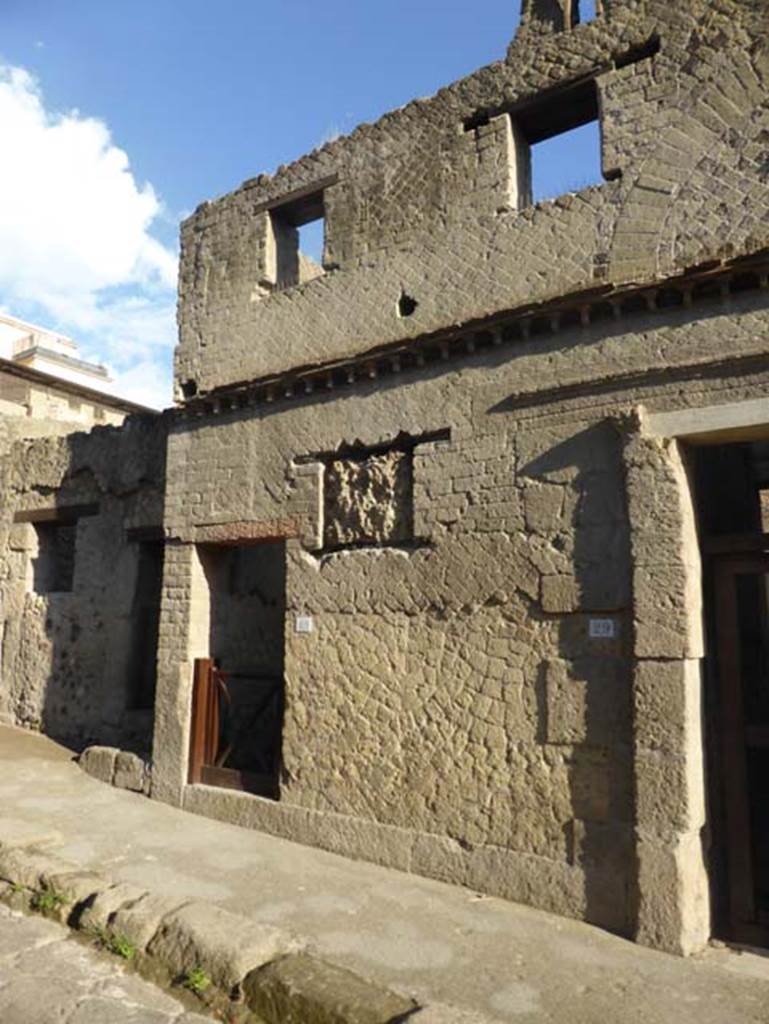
46,977
469,959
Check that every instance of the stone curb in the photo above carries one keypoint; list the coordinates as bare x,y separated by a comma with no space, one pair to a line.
299,988
198,945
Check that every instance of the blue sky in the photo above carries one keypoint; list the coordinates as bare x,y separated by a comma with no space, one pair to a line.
122,117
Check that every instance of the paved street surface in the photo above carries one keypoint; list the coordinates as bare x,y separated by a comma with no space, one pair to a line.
438,943
47,977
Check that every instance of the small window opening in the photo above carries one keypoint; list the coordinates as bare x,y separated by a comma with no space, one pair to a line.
558,143
568,162
587,10
53,569
406,305
312,238
299,236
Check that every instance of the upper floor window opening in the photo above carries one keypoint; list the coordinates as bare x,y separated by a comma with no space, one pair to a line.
567,162
298,240
557,144
587,10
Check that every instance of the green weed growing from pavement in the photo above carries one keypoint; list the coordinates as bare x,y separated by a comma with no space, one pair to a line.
123,947
117,944
47,900
196,981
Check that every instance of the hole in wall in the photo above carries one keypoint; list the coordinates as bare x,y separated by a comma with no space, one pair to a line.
189,389
406,305
478,120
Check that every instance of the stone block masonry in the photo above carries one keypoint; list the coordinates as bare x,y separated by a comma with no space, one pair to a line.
484,608
463,240
410,500
77,590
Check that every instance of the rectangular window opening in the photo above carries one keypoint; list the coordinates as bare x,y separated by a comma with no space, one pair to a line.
587,10
311,240
53,568
558,144
299,236
568,162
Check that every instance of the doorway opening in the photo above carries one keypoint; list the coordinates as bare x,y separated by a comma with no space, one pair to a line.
732,483
238,693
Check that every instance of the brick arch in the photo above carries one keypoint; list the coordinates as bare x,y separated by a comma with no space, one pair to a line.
675,190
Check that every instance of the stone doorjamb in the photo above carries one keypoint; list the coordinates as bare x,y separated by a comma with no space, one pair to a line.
674,902
183,636
673,889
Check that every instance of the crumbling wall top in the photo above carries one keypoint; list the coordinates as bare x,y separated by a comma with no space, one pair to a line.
429,216
548,15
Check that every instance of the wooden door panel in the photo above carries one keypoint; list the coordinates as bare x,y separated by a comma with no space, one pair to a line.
738,736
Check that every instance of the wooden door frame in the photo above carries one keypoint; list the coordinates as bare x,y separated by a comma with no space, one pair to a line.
205,757
204,725
732,737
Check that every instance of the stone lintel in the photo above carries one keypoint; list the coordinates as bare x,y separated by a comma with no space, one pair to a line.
714,424
244,533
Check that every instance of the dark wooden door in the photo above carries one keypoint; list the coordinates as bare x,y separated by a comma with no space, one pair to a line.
234,743
742,623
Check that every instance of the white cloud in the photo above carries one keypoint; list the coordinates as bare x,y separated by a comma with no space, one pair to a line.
76,245
146,383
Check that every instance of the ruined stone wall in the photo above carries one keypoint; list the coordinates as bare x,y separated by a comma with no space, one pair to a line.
36,409
69,636
452,711
431,199
489,624
489,615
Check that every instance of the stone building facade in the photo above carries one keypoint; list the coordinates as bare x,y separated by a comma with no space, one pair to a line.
455,519
81,474
81,532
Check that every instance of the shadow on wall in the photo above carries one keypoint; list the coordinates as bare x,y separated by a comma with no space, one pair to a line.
574,498
81,614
